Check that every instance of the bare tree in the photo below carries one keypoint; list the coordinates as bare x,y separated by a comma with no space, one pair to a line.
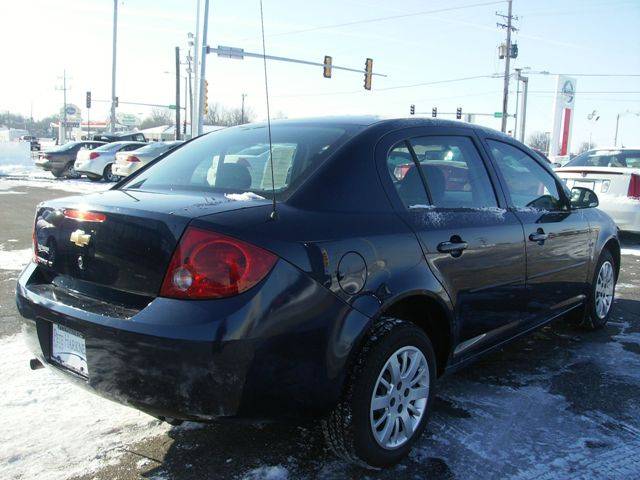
584,146
158,117
217,114
539,141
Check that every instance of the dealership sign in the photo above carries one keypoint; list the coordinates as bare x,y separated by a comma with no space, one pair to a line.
563,105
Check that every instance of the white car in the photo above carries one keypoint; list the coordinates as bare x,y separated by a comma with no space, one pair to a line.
128,162
614,174
97,164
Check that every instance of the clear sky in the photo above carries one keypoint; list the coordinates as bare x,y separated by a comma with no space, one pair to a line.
41,38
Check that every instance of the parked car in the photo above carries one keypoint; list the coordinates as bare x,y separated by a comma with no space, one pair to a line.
98,164
60,160
128,162
120,137
321,286
614,174
33,141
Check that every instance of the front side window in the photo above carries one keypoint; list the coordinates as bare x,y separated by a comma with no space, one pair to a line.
237,159
528,183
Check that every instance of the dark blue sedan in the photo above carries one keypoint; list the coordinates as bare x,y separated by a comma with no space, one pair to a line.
335,273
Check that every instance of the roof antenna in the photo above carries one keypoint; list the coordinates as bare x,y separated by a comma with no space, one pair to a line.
274,214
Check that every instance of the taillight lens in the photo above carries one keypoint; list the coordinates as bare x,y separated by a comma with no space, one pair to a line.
210,265
634,187
84,216
93,155
132,158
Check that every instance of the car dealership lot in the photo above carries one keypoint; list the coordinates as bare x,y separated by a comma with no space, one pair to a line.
558,404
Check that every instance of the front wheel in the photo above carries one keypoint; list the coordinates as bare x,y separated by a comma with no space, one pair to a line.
598,309
387,398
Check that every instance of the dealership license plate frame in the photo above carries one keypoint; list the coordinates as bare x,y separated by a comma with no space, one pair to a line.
68,349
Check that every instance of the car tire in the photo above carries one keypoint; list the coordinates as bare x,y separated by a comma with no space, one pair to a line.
108,175
355,429
602,292
69,171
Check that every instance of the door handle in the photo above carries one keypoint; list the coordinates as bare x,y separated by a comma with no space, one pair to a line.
539,236
455,246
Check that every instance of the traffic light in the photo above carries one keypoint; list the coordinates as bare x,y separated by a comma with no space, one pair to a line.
434,112
206,97
328,61
459,113
88,99
368,72
115,102
412,109
514,50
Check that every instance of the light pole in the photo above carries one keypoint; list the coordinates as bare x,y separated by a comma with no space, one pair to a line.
203,66
242,111
593,117
112,121
622,114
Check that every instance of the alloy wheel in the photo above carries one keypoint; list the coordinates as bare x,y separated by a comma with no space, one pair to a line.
605,285
399,399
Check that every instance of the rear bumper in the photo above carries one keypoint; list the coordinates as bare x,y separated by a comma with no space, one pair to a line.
89,166
625,212
258,355
124,170
43,164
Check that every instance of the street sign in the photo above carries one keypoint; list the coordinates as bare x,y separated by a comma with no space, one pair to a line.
497,115
71,124
229,52
173,107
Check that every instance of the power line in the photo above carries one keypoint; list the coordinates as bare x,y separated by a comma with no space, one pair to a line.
381,19
587,74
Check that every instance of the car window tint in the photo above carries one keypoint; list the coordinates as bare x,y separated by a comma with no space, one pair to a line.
528,183
455,173
405,177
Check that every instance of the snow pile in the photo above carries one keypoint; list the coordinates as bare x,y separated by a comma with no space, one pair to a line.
73,186
631,251
14,259
52,429
243,197
276,472
15,153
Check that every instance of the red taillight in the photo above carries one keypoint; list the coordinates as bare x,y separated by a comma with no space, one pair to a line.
634,187
84,216
210,265
132,158
93,155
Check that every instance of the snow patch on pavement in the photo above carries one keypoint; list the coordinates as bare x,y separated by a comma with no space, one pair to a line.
631,251
52,429
14,259
276,472
12,176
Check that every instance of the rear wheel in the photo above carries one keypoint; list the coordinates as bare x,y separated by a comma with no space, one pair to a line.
387,398
598,309
69,171
108,175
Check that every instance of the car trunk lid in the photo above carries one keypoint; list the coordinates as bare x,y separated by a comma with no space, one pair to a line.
118,243
611,181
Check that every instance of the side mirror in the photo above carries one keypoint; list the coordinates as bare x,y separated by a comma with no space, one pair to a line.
583,198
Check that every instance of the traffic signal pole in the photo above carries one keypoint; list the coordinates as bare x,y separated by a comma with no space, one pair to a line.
507,65
203,68
177,136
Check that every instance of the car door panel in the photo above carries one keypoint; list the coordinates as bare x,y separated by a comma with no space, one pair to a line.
476,252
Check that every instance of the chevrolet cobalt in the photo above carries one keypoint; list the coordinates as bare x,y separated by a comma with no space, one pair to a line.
335,273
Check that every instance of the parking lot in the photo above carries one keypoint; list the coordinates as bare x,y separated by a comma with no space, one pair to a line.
561,403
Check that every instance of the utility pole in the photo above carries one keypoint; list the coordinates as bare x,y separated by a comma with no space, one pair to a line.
242,111
196,74
203,66
112,121
521,106
178,93
62,127
507,63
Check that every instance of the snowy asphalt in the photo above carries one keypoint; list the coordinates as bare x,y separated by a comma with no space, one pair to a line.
560,404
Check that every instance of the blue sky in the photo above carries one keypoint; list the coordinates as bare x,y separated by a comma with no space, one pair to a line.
41,38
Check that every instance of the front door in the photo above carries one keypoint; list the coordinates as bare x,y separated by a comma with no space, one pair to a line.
557,238
473,245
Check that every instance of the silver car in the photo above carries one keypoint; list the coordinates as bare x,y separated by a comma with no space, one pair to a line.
128,162
97,164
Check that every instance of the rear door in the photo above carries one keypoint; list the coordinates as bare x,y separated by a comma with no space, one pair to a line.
442,187
557,238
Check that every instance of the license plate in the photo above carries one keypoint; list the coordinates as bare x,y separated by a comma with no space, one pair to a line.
68,349
589,185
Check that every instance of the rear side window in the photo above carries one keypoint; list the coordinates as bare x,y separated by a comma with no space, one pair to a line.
237,159
528,183
451,168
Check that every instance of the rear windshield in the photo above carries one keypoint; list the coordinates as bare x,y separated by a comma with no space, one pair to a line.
607,158
153,147
62,148
110,146
237,159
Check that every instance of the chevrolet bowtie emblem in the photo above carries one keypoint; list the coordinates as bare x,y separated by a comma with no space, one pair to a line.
80,238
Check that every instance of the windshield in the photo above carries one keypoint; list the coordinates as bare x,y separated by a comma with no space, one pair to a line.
607,158
62,148
237,159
